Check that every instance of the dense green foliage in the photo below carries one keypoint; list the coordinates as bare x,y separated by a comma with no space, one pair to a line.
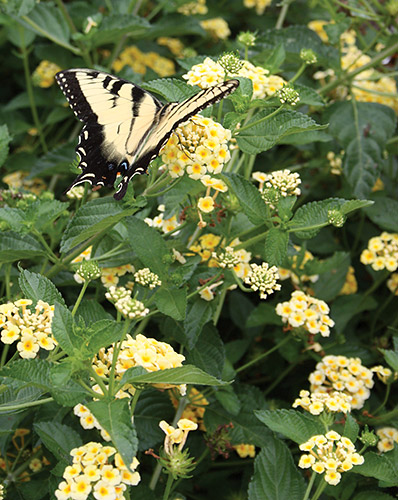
318,100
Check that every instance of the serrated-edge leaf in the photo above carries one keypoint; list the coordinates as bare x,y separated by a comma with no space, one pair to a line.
37,287
249,198
291,423
187,374
15,246
58,438
172,89
172,302
380,467
276,242
275,474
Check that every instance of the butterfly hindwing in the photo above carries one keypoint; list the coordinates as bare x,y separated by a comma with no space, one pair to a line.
125,126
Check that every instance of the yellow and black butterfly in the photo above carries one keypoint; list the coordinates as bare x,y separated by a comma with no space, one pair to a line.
124,126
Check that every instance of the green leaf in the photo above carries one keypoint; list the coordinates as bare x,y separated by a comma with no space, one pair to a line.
275,59
15,219
381,467
391,358
113,27
115,418
48,21
291,423
171,89
308,96
246,427
187,374
249,198
347,306
175,25
275,474
276,241
311,217
152,407
228,400
307,138
34,371
373,494
100,334
351,428
209,352
5,139
62,328
362,129
15,246
263,314
383,212
42,213
333,272
334,30
58,438
172,301
263,136
199,313
149,246
37,287
56,161
295,38
18,8
94,218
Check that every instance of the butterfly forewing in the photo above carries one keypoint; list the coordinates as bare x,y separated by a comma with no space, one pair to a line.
125,126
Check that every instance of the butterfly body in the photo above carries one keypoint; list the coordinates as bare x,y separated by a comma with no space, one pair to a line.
125,126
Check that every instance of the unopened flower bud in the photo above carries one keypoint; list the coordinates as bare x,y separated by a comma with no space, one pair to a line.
336,218
89,270
247,38
231,63
308,56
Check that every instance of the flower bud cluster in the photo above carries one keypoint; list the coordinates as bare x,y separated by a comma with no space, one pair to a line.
317,402
263,278
227,258
125,304
32,329
146,277
329,454
382,252
305,311
288,95
94,472
343,374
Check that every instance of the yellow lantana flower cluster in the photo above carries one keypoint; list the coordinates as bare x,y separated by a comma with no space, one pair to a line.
350,286
245,450
209,73
388,437
329,454
43,75
93,472
305,311
192,8
18,180
217,28
175,45
139,61
317,402
32,330
259,5
275,185
343,374
149,353
296,267
176,435
197,147
382,252
159,222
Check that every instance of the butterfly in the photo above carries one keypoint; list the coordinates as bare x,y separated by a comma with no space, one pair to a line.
125,126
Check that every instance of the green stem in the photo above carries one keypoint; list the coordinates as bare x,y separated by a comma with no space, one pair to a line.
7,278
264,355
375,285
22,406
348,76
282,14
116,352
208,283
261,120
171,186
285,372
321,487
251,241
79,299
4,355
50,254
29,88
134,401
383,404
169,484
220,304
299,73
99,381
309,487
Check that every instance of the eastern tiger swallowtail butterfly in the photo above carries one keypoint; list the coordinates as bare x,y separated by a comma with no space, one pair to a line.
124,126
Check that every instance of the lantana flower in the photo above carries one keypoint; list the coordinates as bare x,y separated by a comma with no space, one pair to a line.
382,252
